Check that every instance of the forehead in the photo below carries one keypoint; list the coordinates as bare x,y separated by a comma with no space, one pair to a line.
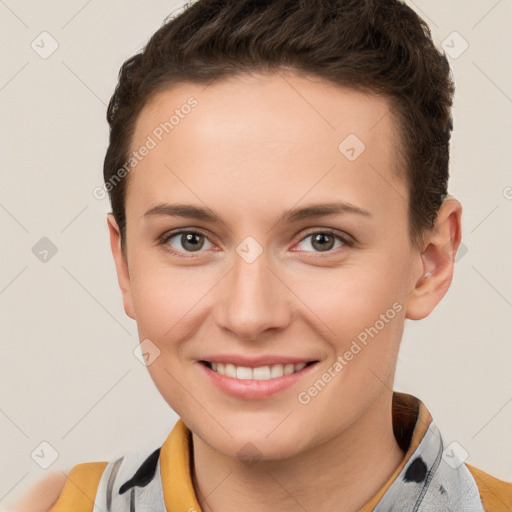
266,136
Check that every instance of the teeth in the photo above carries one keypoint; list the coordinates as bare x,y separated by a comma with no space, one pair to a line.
259,373
230,370
242,372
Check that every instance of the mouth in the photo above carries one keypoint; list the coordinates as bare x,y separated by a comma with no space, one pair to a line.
255,383
266,372
256,378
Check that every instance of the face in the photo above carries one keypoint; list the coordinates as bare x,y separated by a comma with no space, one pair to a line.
271,272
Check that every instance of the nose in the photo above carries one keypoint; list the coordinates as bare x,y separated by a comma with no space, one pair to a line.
254,301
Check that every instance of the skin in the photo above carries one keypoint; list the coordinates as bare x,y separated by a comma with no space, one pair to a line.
42,495
253,148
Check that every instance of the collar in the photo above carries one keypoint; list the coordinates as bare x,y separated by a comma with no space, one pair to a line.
427,478
411,420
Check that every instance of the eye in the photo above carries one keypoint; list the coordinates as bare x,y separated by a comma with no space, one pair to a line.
324,241
186,241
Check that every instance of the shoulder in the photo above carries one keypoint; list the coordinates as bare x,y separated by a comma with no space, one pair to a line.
88,484
43,494
496,494
79,490
63,491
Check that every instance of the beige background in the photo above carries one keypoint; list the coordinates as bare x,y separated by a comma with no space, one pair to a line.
68,374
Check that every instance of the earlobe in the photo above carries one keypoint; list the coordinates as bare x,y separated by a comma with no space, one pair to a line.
438,258
121,263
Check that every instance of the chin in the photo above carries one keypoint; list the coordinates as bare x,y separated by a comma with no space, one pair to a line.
253,449
253,444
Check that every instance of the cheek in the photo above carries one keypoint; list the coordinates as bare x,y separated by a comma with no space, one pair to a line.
165,298
361,314
360,311
167,304
345,300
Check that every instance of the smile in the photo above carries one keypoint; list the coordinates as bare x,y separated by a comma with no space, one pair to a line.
258,373
255,383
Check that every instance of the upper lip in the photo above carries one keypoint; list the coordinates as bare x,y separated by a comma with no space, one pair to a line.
252,362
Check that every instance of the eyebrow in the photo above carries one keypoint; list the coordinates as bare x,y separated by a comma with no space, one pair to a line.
290,216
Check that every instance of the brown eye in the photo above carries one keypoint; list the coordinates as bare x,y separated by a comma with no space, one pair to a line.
322,241
187,241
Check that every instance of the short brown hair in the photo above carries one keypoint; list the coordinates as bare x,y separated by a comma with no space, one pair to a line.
377,46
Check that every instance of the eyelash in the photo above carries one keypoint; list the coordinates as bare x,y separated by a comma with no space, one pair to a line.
346,241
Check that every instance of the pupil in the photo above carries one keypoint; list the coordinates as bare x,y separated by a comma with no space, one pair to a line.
188,239
322,237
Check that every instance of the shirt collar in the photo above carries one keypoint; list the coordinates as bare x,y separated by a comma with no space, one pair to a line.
411,420
175,468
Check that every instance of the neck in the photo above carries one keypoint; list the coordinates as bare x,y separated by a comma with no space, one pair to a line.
341,474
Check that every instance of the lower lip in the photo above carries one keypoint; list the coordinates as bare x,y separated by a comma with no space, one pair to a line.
255,389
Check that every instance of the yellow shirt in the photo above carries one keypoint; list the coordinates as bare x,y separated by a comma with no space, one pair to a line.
427,476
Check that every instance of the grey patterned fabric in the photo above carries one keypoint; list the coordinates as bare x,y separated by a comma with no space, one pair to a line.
131,483
429,483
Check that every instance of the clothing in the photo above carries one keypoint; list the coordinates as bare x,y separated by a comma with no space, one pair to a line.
431,477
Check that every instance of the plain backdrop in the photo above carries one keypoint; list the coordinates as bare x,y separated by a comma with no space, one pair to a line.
71,388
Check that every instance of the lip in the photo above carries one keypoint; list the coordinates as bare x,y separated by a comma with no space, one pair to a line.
252,389
253,362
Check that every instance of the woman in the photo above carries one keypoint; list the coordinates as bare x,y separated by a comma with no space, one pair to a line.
278,178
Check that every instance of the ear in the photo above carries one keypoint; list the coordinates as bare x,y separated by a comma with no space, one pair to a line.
438,258
123,275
